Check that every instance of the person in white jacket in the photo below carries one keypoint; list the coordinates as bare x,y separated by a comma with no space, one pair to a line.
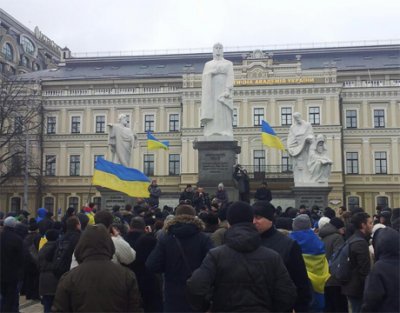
124,254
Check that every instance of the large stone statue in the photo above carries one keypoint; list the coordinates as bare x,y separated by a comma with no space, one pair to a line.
299,140
216,100
318,163
121,141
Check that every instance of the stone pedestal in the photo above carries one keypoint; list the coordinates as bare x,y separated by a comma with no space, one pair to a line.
216,164
109,198
310,196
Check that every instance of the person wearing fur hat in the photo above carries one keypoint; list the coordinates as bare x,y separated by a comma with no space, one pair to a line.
288,249
11,256
313,251
242,275
177,254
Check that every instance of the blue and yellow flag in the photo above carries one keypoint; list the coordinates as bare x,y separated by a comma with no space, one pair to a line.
120,178
269,137
153,143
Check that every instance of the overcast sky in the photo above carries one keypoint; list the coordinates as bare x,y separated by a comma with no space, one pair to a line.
133,25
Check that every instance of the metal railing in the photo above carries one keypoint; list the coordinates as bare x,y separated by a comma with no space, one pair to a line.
261,172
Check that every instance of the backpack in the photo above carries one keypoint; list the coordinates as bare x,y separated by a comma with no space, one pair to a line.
339,263
62,257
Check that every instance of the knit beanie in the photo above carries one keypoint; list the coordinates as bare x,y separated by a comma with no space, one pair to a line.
301,222
10,222
264,209
323,221
337,222
185,210
240,212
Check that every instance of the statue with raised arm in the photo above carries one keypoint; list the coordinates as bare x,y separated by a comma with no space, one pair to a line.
216,99
300,138
318,163
121,141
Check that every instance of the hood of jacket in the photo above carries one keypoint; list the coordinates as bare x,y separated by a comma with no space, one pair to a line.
327,229
386,243
41,212
184,226
243,237
95,243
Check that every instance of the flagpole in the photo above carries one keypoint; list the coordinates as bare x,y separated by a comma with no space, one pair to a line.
90,190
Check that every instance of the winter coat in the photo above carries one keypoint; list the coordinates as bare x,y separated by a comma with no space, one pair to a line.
186,195
382,287
155,193
47,280
218,236
11,255
332,240
360,266
290,252
242,276
222,195
167,258
263,194
201,201
97,284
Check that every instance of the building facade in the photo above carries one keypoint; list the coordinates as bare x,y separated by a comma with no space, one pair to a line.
349,94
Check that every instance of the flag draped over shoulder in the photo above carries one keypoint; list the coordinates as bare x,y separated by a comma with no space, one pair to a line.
269,137
120,178
317,266
153,143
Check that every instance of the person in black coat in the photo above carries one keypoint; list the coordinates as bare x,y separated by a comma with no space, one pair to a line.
242,275
382,287
288,249
177,254
263,193
201,200
11,256
187,195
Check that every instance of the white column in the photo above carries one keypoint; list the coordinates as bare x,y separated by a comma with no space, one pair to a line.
366,157
63,160
87,160
395,156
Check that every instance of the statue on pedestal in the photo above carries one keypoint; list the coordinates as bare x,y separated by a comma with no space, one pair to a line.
121,141
300,138
318,163
217,91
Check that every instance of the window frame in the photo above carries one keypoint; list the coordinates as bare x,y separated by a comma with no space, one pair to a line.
102,124
286,116
8,51
54,203
19,208
176,165
235,117
258,118
312,116
152,123
381,166
351,119
259,161
23,42
148,170
54,125
77,165
288,167
78,131
53,171
380,118
350,206
78,203
350,161
175,128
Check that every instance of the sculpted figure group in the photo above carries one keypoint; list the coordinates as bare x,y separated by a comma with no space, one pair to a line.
311,165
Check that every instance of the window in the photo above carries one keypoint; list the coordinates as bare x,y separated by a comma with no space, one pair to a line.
286,116
258,116
286,162
353,203
96,156
174,122
75,124
97,202
15,204
313,116
50,165
17,164
382,201
36,67
27,45
259,161
352,162
380,163
73,202
148,164
74,165
379,118
18,124
49,204
100,124
8,52
235,118
351,119
149,123
174,164
25,61
51,124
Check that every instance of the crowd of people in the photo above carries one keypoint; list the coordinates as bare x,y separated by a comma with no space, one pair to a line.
205,255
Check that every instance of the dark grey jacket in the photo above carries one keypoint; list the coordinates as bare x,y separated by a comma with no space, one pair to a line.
47,280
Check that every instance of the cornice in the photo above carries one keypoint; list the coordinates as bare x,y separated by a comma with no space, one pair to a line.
370,93
371,132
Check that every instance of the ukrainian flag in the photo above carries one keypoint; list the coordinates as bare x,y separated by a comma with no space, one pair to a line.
120,178
153,143
269,137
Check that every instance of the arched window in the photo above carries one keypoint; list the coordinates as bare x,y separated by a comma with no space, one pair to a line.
8,52
73,202
97,202
25,61
27,45
382,201
353,202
